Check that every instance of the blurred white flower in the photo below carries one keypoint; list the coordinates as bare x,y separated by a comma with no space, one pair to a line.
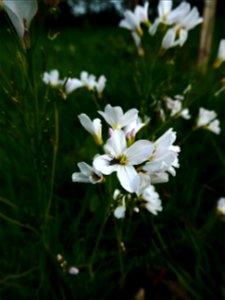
52,78
141,12
122,159
120,210
88,80
221,205
133,127
20,14
175,107
131,22
164,8
183,19
100,85
207,119
115,117
164,157
87,174
71,84
152,201
220,55
93,127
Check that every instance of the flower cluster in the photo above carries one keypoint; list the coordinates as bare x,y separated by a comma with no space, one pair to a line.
71,84
178,22
138,164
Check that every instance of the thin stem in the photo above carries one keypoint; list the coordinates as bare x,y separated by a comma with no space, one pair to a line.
55,152
119,242
97,244
15,222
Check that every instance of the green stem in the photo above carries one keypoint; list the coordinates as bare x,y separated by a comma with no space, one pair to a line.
55,152
96,245
15,222
119,241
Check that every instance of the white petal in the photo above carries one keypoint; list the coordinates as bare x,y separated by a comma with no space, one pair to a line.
129,116
20,12
86,123
139,152
80,177
169,39
112,115
116,144
103,163
72,84
128,178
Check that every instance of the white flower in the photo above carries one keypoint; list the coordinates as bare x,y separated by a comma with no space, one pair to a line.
93,127
141,12
100,85
164,157
120,210
207,119
153,203
71,84
221,50
220,55
133,127
52,78
185,114
115,117
221,205
87,174
184,20
175,106
131,22
214,126
122,160
164,9
88,80
20,14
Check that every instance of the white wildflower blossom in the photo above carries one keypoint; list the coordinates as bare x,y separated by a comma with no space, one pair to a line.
20,14
93,127
220,54
87,174
122,159
207,119
221,205
164,8
115,117
164,157
52,78
71,84
152,201
100,85
183,19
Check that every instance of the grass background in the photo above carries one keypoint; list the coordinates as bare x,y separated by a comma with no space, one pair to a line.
178,254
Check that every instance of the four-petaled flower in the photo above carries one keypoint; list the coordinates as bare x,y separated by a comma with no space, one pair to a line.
115,117
123,160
